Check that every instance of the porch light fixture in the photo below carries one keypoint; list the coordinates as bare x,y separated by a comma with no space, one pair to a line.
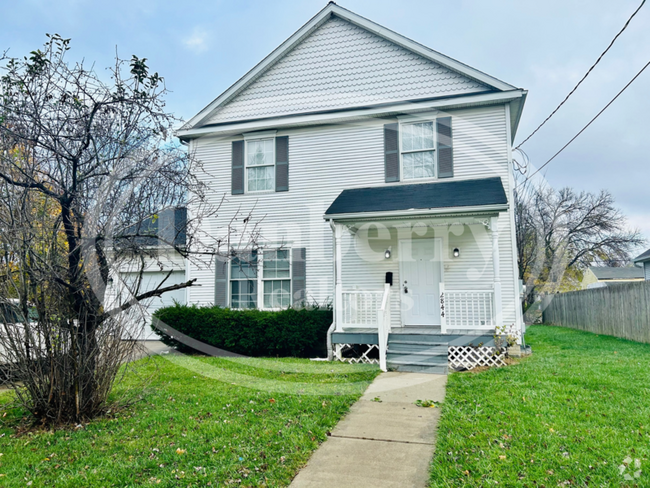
387,253
456,252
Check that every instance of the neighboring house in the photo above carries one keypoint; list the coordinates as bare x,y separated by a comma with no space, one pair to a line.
599,276
381,175
643,261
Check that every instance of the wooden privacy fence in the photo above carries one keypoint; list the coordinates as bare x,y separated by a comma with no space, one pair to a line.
621,310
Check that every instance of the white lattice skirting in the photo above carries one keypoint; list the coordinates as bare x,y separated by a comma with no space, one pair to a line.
467,357
363,358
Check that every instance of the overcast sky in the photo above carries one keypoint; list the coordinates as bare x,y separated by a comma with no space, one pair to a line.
201,48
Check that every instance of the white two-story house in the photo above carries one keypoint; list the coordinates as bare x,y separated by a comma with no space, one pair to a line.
379,173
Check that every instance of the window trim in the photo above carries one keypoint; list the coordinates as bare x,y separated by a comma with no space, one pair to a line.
411,121
260,280
231,279
258,138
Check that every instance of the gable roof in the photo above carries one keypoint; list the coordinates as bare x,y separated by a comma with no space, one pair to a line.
270,89
609,273
643,257
420,196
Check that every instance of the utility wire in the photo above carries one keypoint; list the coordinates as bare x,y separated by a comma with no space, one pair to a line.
585,76
590,122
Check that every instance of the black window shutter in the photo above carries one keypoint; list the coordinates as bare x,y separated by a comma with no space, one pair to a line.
445,148
237,167
298,276
221,282
282,163
391,152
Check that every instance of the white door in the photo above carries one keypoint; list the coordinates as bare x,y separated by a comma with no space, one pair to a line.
420,275
150,281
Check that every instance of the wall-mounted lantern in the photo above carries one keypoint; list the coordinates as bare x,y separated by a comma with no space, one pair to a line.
456,252
387,253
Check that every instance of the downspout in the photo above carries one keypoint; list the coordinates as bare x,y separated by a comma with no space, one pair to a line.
330,352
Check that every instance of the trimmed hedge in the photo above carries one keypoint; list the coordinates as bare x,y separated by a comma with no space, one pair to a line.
291,332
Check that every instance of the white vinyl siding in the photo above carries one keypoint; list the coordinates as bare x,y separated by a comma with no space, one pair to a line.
328,159
341,65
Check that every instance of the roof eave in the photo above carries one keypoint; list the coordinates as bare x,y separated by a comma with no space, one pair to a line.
351,114
437,212
516,117
643,257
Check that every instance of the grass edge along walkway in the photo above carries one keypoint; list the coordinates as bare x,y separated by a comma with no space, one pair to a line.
575,413
202,422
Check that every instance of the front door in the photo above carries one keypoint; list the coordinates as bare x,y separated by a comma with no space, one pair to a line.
420,275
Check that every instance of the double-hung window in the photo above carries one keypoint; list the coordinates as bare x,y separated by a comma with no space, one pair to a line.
243,281
276,275
260,165
418,150
261,279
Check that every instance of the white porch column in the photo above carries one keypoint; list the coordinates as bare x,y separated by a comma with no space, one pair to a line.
496,264
338,276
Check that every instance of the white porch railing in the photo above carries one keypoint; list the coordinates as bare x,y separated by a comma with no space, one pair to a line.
360,308
383,326
466,309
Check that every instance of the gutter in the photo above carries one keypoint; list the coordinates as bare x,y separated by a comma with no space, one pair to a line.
350,114
456,211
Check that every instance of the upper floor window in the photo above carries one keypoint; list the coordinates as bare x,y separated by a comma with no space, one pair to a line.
418,150
260,165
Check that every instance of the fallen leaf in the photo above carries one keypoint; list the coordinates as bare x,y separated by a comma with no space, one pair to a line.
502,457
180,451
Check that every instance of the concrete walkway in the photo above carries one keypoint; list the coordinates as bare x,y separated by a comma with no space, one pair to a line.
381,444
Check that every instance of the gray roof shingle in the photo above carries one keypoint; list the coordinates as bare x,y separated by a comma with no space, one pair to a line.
607,273
420,196
643,257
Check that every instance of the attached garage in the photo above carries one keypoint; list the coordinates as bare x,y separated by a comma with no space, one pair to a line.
150,281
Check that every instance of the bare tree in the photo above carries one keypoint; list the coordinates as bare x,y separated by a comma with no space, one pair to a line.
560,233
86,166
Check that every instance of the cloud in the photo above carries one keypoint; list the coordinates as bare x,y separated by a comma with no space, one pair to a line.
198,41
640,221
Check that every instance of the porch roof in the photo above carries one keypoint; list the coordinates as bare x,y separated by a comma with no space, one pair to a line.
420,196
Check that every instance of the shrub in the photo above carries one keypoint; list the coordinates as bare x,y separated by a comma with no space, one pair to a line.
291,332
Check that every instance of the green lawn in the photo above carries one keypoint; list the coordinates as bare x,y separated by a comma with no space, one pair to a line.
202,422
567,416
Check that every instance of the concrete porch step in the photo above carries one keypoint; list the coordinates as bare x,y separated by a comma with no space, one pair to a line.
440,339
411,367
414,347
417,358
417,343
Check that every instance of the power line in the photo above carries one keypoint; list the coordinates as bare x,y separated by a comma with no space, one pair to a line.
584,77
590,122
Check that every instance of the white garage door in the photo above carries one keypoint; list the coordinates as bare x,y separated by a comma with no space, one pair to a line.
150,281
